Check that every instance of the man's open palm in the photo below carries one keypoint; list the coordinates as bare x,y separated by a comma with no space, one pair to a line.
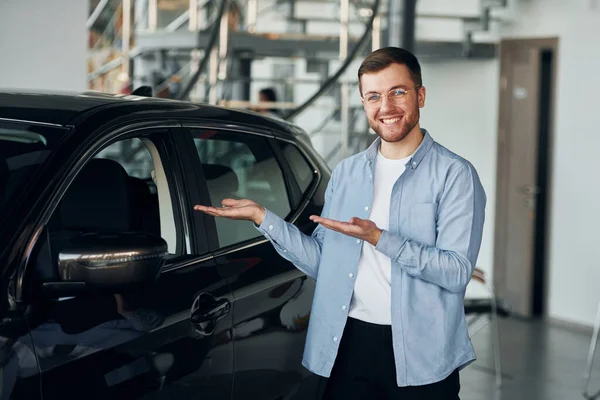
363,229
243,209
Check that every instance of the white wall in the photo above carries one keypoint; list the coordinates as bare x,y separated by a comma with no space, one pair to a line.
445,7
574,286
43,44
461,112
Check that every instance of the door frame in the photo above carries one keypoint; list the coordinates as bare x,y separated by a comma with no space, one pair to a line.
502,175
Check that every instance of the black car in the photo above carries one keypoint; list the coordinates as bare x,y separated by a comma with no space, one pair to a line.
113,287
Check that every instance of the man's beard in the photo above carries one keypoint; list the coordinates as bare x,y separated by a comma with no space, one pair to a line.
407,127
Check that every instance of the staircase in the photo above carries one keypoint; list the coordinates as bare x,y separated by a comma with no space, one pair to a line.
224,51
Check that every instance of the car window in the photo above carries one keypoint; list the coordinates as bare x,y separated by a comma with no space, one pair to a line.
23,150
301,168
133,155
238,165
149,192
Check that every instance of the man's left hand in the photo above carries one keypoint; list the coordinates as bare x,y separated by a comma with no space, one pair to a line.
363,229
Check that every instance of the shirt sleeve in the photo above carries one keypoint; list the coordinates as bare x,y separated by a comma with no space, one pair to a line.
300,249
461,213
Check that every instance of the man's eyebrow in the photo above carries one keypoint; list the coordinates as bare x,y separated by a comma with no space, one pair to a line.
398,87
392,88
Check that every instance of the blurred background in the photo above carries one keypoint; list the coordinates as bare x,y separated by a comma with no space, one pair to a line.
511,86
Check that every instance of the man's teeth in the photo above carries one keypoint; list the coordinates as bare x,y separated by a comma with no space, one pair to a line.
391,120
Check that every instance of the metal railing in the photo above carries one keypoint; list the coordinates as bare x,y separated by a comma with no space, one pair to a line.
114,46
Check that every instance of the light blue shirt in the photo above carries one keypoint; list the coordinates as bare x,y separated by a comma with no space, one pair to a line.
436,222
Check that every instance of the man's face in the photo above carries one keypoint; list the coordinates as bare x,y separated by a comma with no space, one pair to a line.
392,119
262,98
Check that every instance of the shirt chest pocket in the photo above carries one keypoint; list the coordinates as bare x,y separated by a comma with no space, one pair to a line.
422,223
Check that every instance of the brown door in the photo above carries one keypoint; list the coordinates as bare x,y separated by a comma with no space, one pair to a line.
526,81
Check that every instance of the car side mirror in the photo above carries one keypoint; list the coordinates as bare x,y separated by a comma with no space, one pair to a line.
109,263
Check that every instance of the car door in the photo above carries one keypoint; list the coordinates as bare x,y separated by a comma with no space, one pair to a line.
272,299
23,147
169,340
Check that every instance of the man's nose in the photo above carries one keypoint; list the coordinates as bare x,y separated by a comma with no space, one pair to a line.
386,104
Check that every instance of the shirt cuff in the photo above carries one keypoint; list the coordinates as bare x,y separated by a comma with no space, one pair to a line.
270,226
390,245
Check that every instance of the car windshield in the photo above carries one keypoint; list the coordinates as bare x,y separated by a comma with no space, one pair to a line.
23,149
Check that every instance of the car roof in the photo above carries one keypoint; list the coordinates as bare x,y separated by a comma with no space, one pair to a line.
64,109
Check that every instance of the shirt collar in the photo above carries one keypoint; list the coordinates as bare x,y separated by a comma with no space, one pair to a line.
424,146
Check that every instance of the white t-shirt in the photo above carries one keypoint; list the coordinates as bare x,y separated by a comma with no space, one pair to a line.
371,301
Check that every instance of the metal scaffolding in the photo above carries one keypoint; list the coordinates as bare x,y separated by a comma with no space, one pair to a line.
208,46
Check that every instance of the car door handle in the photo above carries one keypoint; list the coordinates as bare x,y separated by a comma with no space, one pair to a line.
206,311
211,311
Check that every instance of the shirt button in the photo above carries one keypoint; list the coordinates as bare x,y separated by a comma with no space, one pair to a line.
350,275
414,163
344,307
367,208
371,176
271,227
284,250
358,241
335,338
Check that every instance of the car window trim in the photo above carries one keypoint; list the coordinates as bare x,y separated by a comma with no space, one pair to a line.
185,261
196,190
38,123
226,127
178,200
240,246
294,192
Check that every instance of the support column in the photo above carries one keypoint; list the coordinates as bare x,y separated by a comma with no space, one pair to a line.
401,24
126,42
242,71
344,88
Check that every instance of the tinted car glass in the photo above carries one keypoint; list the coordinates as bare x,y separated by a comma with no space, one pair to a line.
240,166
23,149
301,169
148,191
133,155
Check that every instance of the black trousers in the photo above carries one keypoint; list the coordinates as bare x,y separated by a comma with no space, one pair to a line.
365,369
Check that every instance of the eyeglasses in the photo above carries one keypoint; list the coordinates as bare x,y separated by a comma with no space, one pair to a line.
396,96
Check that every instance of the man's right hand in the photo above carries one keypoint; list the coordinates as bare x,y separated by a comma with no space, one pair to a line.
236,209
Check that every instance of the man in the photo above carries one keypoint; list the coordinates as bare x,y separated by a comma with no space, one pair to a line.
268,95
393,252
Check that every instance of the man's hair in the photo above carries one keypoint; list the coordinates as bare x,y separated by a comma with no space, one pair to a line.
269,93
384,57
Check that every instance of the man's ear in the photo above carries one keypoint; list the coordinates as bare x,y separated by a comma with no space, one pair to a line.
422,95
